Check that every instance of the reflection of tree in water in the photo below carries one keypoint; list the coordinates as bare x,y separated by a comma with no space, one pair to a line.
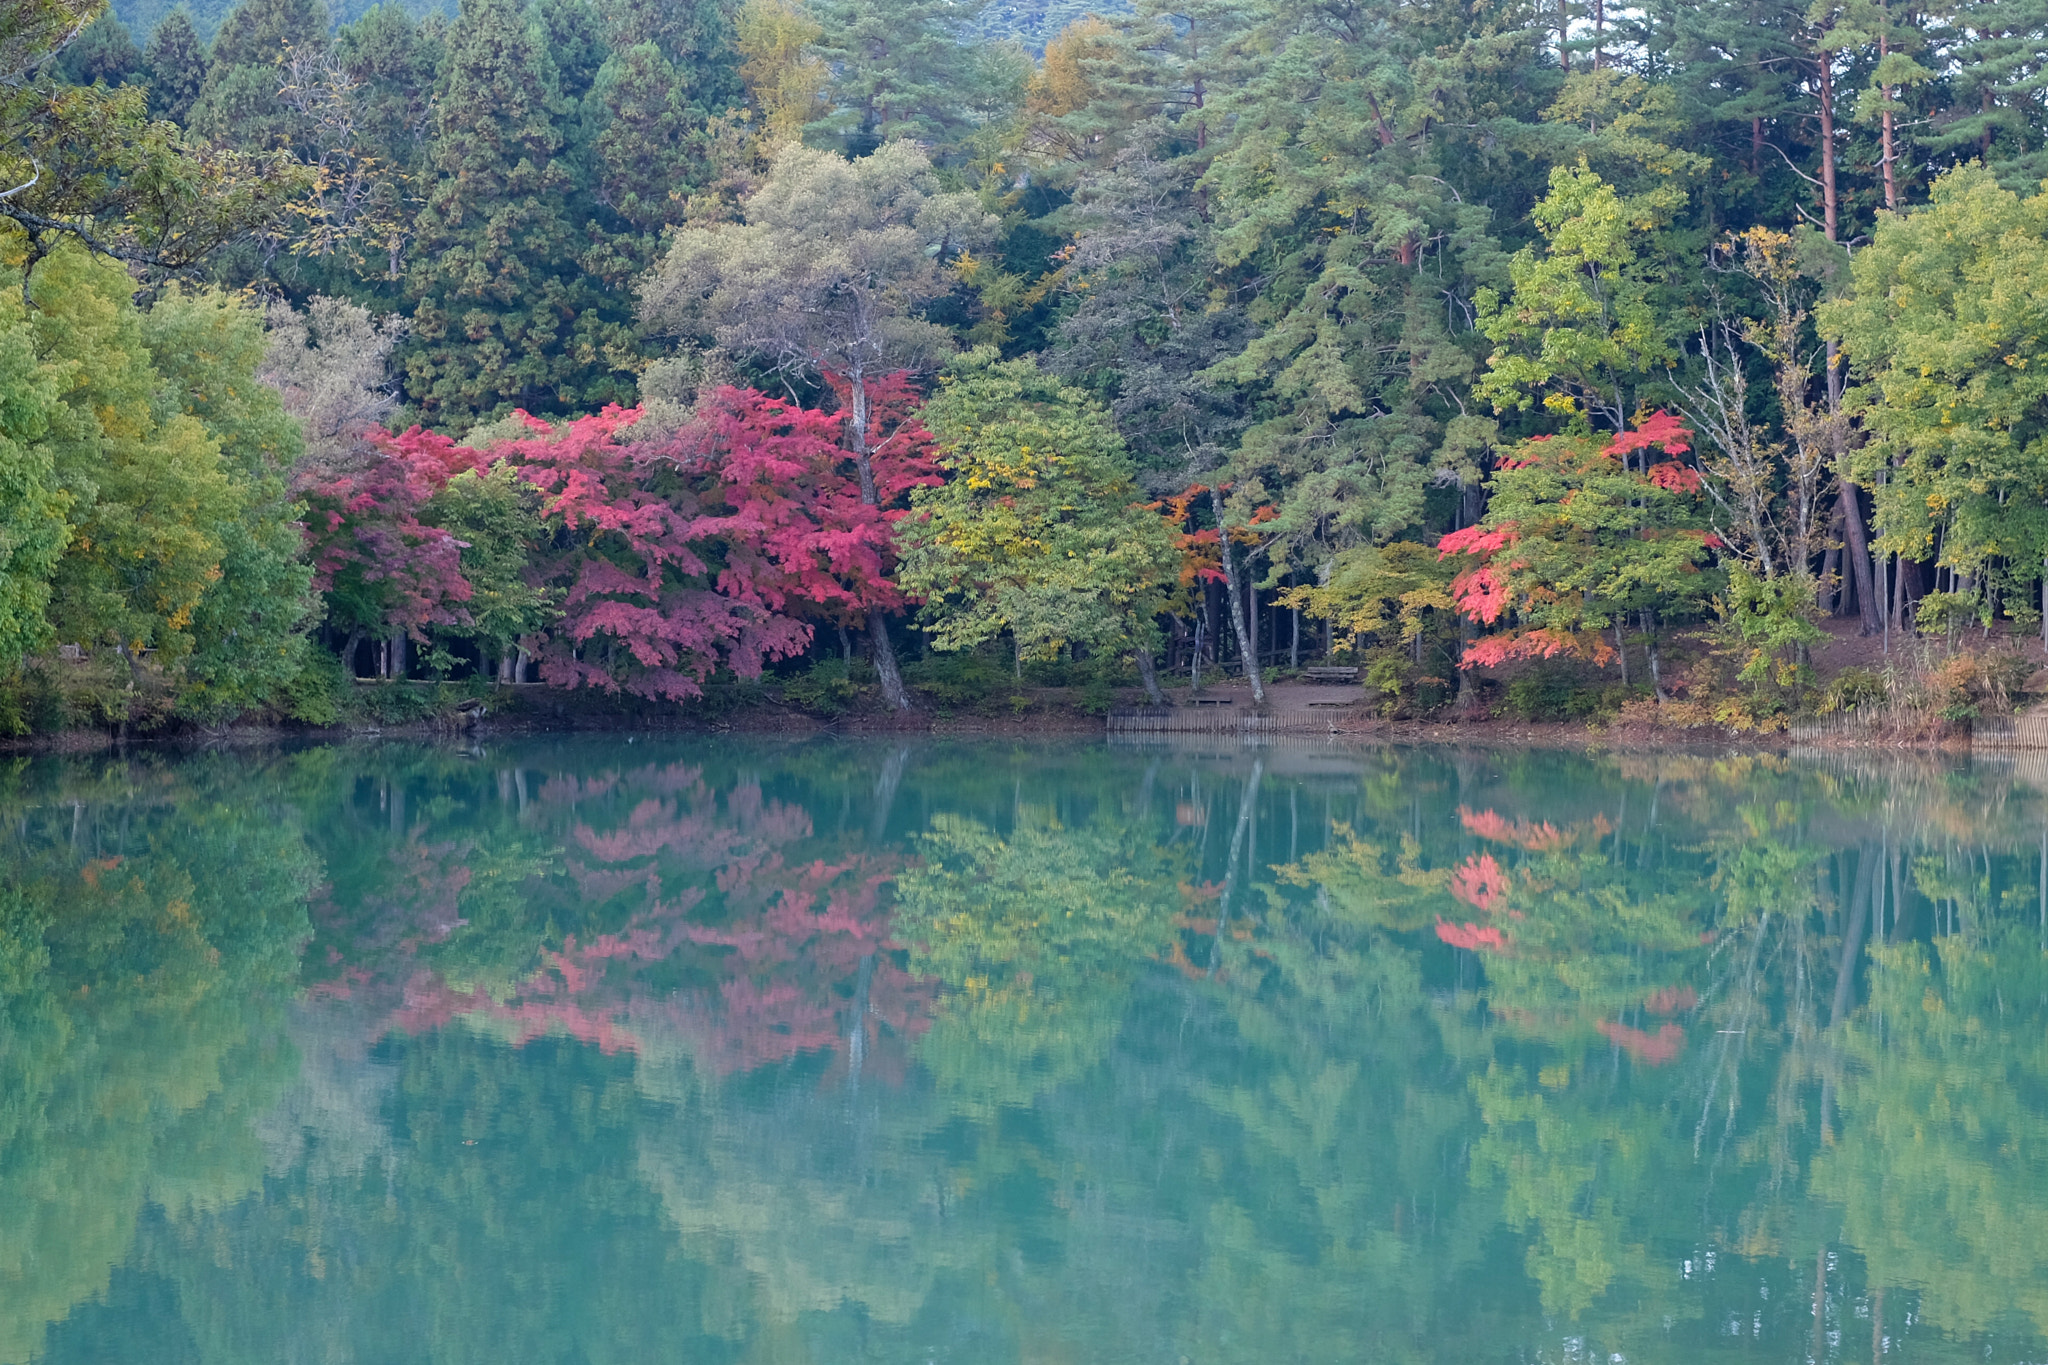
150,921
845,1053
614,907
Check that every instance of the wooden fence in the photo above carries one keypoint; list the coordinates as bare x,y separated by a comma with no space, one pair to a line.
1992,734
2027,730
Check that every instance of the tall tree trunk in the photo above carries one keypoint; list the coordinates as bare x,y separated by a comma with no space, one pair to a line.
886,783
1868,603
1891,178
1851,504
1246,801
1235,599
1656,664
1148,675
893,690
1829,201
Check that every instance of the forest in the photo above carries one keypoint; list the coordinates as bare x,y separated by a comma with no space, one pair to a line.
883,351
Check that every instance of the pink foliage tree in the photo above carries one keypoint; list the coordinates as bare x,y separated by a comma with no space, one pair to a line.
715,548
381,568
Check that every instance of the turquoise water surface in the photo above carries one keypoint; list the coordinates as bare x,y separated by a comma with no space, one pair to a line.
619,1051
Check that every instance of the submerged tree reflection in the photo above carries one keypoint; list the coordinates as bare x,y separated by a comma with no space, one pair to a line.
632,1052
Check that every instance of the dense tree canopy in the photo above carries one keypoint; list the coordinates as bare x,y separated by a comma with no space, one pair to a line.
1327,281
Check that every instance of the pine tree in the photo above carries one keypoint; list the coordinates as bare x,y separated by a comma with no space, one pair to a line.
1998,50
174,64
693,34
504,312
897,68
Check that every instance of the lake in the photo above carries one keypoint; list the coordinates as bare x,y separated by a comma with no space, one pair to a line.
630,1050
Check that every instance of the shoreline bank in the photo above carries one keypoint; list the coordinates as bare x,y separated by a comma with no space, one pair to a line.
1047,718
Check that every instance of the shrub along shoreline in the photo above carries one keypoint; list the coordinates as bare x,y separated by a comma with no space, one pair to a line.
1922,696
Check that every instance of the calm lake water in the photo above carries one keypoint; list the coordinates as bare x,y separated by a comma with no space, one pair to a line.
604,1051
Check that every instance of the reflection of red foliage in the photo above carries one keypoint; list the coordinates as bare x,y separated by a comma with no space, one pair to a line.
1479,882
1649,1049
90,873
782,954
1671,1000
1490,824
1469,935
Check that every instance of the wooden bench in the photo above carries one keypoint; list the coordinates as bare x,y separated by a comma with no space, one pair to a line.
1329,675
1212,701
1330,705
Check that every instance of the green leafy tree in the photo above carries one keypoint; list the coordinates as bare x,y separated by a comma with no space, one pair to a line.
86,164
1577,539
33,504
1946,331
1038,530
34,31
248,640
496,515
152,500
1580,319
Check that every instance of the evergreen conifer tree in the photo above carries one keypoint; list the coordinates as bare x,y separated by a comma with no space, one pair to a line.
238,105
898,66
575,43
646,147
504,312
174,64
398,61
105,52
